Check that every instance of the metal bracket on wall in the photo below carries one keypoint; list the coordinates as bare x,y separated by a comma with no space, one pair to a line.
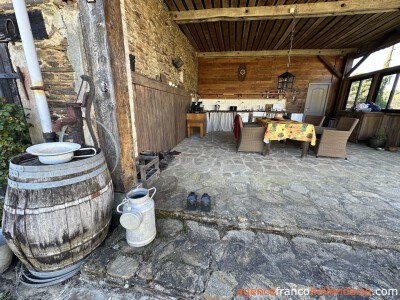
9,75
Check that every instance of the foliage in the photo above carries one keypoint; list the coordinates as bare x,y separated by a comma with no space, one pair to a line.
380,134
381,99
14,135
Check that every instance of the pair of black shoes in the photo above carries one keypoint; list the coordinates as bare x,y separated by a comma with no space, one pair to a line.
205,202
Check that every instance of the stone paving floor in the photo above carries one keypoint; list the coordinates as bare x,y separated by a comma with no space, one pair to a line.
355,200
277,222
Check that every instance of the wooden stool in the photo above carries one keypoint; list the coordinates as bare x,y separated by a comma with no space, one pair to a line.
196,120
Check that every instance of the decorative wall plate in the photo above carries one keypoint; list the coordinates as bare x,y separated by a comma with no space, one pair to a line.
242,71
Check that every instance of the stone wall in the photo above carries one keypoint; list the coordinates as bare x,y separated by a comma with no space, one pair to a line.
61,59
154,40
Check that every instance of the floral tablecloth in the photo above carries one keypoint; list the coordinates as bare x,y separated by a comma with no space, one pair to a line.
287,129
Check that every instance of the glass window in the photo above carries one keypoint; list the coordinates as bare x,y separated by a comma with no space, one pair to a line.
395,103
382,59
359,91
388,95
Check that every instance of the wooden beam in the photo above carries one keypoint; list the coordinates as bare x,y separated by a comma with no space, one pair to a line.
106,66
306,10
357,65
268,53
331,68
156,85
118,50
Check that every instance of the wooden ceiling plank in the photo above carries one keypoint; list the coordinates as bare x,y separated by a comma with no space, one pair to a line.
206,36
179,5
347,29
208,4
190,37
220,35
199,37
273,34
254,26
199,4
239,35
232,38
285,35
320,36
306,10
213,34
392,37
376,31
259,34
245,34
243,3
235,3
171,5
191,34
225,4
372,24
312,35
301,25
189,4
225,31
272,53
252,3
311,31
264,35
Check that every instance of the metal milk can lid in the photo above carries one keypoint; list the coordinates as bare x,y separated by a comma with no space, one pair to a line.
131,220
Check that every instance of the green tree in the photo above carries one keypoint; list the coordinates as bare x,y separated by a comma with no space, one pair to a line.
381,100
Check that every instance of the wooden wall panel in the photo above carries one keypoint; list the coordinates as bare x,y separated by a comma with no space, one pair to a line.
160,114
218,78
391,125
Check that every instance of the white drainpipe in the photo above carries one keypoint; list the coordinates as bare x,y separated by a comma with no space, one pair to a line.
33,67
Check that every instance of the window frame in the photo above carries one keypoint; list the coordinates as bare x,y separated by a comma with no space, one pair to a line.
374,88
351,81
392,92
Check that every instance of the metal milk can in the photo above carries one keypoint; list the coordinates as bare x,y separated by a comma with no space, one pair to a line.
138,217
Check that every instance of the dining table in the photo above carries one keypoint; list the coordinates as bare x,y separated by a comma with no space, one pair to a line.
278,130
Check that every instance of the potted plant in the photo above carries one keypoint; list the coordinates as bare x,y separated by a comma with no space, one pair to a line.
378,140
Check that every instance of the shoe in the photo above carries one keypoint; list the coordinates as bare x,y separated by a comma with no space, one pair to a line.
191,201
205,203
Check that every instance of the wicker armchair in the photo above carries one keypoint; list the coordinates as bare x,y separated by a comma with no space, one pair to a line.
315,120
251,138
334,140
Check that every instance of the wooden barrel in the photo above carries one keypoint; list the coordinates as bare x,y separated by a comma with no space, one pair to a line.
55,215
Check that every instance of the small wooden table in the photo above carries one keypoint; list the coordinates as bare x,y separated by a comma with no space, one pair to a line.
196,120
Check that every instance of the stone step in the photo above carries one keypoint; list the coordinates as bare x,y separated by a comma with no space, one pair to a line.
189,259
321,234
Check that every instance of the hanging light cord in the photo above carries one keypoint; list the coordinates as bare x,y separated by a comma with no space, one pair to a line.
291,39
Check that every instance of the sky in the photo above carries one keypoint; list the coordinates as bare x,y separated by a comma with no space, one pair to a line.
376,60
